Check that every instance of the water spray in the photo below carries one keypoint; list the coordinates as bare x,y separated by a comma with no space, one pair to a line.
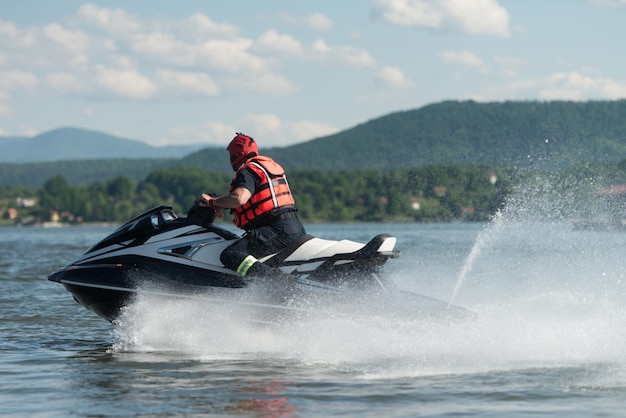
485,237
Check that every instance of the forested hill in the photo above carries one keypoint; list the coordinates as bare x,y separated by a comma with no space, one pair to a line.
507,133
511,133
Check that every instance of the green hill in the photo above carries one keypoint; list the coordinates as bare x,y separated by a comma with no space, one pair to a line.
512,133
553,134
509,133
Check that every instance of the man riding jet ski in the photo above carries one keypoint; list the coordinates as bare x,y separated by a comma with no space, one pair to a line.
262,205
162,253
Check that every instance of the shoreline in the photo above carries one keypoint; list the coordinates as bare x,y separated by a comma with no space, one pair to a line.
60,225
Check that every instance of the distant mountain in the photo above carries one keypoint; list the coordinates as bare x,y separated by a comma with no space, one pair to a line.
9,139
81,144
518,134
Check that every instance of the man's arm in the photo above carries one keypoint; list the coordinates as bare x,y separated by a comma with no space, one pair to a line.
234,199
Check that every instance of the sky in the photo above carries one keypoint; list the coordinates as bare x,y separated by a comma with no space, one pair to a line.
284,71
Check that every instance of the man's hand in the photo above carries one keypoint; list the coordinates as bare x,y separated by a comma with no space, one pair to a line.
234,199
205,200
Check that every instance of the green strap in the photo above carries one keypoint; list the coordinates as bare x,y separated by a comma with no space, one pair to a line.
245,265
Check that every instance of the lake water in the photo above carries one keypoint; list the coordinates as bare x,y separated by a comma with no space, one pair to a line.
549,338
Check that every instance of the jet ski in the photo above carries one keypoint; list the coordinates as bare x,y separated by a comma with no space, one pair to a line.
163,254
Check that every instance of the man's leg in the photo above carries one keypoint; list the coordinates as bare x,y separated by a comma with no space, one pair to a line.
242,255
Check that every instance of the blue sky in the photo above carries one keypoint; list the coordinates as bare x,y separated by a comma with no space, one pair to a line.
284,71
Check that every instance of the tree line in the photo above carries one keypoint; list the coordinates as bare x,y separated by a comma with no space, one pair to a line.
437,193
434,193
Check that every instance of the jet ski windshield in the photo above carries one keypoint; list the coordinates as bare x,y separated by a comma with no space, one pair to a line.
144,225
152,222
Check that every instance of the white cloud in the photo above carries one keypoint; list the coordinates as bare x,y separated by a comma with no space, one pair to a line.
321,47
271,84
197,41
228,56
13,38
614,4
304,130
22,130
111,52
509,65
392,77
575,85
187,82
319,21
123,62
407,13
62,58
391,85
465,58
270,131
125,83
271,42
156,44
72,40
40,48
354,57
29,131
64,82
210,133
225,55
17,79
221,133
113,21
578,86
201,25
476,17
266,128
8,30
315,21
262,126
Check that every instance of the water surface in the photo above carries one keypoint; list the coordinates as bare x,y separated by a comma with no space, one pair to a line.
549,338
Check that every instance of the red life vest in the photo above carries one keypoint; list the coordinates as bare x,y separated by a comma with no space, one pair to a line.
271,193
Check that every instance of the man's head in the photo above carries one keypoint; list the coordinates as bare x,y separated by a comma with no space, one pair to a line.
241,148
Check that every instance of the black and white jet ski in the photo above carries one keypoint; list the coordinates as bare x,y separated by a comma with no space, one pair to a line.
158,252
